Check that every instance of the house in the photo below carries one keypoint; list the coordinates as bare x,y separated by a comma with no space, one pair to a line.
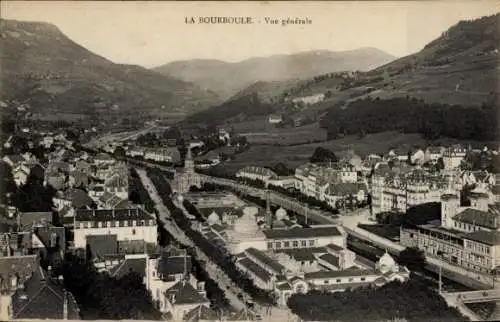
453,157
433,153
47,141
75,198
339,195
275,119
78,179
256,173
110,201
29,292
126,223
417,156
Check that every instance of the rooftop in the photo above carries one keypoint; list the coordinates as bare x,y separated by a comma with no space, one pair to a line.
295,233
478,217
113,214
335,274
266,260
185,293
258,271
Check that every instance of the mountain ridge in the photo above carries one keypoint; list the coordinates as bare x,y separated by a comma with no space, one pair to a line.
40,62
279,67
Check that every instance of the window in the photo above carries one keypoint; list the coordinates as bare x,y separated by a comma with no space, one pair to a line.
303,243
295,244
133,231
286,244
278,244
339,280
363,279
269,245
351,279
326,281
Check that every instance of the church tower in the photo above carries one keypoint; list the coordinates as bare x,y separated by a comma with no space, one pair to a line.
188,161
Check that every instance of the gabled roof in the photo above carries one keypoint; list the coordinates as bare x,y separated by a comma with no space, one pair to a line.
43,298
253,267
347,188
302,254
478,217
50,234
137,265
79,198
330,259
185,293
201,313
266,260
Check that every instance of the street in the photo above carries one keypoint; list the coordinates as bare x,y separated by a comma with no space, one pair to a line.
214,271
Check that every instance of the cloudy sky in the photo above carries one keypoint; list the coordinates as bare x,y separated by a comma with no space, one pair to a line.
154,33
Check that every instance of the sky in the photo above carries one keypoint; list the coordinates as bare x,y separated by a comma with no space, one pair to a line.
154,33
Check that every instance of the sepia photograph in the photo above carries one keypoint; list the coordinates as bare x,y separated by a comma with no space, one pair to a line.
275,161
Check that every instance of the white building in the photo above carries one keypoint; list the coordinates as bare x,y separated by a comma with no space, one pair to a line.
468,237
275,119
127,224
256,173
453,157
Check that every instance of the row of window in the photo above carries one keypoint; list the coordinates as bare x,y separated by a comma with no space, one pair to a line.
350,280
477,247
291,244
118,223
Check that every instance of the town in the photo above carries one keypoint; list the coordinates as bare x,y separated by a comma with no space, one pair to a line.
152,177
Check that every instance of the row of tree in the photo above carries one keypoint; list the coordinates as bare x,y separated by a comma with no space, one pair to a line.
410,115
412,301
218,255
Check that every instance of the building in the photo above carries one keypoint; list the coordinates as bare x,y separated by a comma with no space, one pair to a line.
315,236
128,224
256,173
453,157
186,178
168,154
468,237
399,189
275,119
433,153
29,292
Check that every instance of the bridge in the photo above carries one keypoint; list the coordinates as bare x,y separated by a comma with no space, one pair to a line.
477,296
317,215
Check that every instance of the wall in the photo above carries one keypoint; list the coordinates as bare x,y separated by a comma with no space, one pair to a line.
147,233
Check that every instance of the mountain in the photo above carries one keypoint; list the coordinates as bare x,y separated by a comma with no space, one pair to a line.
459,67
227,79
53,74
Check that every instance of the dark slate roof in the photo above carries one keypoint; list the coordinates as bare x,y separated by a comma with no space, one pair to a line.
334,247
257,254
113,214
330,259
284,287
137,265
22,266
172,265
79,198
478,217
42,298
102,245
334,274
347,188
201,312
302,232
50,234
303,254
486,237
255,269
27,219
185,293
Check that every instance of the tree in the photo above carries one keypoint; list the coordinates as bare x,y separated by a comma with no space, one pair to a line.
321,155
413,258
440,164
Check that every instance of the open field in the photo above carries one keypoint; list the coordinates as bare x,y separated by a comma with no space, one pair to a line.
293,156
287,136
